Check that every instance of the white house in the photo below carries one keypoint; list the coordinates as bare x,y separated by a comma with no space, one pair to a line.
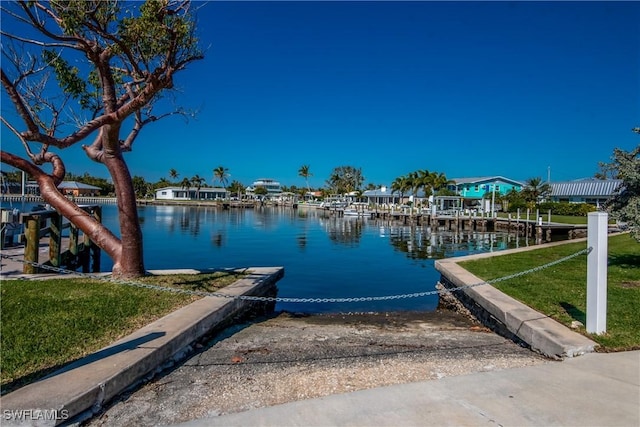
593,191
191,193
272,186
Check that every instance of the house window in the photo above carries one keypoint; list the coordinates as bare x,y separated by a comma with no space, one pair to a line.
476,187
164,193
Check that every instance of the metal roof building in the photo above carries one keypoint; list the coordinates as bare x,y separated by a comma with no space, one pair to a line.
593,191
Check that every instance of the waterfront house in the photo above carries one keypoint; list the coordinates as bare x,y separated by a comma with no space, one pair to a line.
481,187
273,187
68,188
381,196
78,189
385,196
590,190
481,192
191,193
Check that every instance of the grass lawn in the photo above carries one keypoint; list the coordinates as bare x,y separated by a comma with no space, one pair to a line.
560,291
563,219
49,323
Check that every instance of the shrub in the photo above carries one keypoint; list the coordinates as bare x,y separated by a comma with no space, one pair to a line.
569,209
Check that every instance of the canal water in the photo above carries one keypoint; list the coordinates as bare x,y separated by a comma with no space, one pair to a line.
323,256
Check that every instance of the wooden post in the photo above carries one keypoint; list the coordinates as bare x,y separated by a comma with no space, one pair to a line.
74,258
95,249
73,242
32,234
55,239
85,256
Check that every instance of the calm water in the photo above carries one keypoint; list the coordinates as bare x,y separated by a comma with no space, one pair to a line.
323,256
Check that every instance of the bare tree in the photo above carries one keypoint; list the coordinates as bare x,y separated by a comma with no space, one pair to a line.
124,56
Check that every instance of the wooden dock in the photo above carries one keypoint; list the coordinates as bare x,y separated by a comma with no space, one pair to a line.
535,229
13,266
41,242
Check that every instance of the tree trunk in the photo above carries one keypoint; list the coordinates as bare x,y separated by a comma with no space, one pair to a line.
131,262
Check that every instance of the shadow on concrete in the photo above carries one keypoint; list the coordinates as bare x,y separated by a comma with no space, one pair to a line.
202,345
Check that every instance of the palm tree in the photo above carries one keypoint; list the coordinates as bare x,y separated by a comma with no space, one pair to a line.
439,181
415,182
221,174
173,174
186,184
401,185
197,181
304,172
236,187
535,189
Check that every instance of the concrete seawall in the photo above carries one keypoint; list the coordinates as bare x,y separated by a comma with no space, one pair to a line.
508,316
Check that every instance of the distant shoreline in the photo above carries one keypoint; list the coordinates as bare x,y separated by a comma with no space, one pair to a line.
139,202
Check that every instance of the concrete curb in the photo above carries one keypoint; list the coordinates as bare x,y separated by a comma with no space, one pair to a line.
88,383
540,332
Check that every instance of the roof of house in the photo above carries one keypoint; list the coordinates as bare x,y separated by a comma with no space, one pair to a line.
75,185
585,187
387,191
483,179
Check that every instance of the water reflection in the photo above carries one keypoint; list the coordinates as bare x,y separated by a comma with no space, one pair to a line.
324,256
302,241
344,231
424,243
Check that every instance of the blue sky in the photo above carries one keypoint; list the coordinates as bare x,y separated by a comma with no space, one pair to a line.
468,89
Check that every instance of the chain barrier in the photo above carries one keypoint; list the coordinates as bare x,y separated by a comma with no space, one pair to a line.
299,300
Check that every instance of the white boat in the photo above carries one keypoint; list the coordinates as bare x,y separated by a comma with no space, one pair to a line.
310,204
352,212
357,209
334,204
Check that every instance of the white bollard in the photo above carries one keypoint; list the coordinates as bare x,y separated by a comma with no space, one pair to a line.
597,227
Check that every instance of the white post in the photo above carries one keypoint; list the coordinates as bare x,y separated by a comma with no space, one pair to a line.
493,201
597,224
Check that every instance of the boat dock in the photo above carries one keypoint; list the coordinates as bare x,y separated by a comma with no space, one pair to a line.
542,230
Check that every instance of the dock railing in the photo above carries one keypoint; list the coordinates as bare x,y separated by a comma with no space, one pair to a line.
79,253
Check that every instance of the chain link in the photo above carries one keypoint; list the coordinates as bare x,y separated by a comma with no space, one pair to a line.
299,300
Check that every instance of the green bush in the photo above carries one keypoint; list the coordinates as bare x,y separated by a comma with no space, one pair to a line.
565,208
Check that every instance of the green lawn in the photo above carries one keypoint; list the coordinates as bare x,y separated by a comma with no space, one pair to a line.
48,323
563,219
560,291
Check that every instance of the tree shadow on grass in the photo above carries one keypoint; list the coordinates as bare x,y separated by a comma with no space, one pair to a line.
625,260
574,312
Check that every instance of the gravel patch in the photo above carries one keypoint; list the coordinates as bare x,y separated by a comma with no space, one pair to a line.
270,361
